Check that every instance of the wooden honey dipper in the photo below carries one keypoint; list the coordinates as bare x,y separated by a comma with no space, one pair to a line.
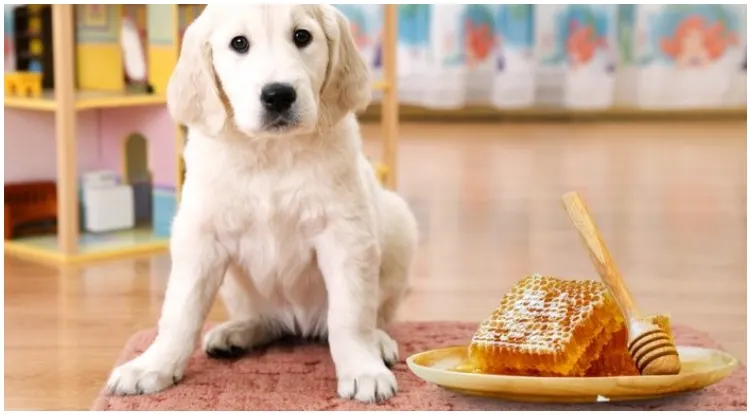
651,348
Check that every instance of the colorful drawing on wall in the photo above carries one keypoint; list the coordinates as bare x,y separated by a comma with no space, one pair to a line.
358,23
578,36
626,22
551,39
478,33
415,21
414,25
514,27
694,35
378,58
365,26
585,32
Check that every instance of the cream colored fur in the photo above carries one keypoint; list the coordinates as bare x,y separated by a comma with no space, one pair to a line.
291,227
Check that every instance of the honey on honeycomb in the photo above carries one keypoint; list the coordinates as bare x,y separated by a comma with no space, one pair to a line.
615,360
547,327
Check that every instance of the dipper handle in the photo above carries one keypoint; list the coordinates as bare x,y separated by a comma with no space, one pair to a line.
600,255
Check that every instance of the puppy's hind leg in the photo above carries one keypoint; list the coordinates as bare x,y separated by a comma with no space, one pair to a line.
246,328
393,289
400,239
234,338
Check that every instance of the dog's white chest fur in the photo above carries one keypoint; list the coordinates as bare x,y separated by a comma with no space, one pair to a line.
274,244
266,220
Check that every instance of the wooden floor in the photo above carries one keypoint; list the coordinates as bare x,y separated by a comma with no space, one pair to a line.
670,199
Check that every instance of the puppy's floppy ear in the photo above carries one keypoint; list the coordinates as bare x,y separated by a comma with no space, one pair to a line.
347,86
193,95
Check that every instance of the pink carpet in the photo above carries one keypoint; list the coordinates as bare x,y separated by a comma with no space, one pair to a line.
301,377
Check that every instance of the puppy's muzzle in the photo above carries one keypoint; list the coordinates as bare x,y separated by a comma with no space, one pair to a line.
277,98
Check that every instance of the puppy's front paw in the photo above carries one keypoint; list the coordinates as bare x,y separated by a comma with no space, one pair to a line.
367,386
139,376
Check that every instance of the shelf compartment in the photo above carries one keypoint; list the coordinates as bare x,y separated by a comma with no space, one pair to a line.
86,100
92,247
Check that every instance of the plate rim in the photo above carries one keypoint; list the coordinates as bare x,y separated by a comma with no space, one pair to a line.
732,365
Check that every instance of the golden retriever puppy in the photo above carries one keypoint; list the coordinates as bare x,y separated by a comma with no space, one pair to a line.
281,214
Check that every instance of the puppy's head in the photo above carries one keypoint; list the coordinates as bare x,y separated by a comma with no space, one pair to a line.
267,70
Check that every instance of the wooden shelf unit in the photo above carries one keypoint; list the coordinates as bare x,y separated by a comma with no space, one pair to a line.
65,102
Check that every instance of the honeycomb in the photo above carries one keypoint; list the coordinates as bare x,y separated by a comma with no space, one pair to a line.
547,327
615,360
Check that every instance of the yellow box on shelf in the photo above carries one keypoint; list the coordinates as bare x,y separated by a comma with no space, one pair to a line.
23,84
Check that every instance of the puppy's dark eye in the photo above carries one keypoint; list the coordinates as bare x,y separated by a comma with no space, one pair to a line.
302,38
240,44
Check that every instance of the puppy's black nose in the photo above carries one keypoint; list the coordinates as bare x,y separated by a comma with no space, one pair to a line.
278,97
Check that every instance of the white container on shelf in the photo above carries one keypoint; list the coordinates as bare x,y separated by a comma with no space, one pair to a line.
107,204
109,208
99,178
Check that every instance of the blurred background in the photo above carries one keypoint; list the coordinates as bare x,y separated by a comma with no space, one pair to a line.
484,115
570,56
